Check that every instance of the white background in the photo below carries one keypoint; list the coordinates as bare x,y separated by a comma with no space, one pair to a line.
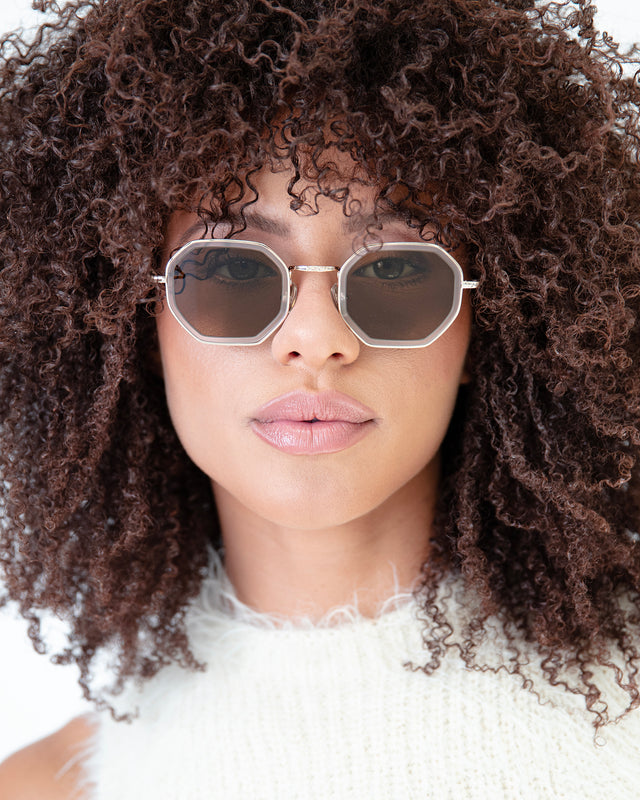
36,698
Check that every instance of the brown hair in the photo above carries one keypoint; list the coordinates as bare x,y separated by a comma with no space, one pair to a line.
522,126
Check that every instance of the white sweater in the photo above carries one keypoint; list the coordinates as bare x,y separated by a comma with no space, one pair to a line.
329,711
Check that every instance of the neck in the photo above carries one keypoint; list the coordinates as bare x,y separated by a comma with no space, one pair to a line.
307,570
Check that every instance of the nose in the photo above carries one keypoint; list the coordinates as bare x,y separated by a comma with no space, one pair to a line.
314,334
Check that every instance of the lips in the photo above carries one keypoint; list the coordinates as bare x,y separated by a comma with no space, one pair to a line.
302,423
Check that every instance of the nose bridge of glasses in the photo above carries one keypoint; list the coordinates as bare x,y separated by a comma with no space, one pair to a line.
312,268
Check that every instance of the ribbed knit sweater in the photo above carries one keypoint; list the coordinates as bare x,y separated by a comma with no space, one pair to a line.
331,711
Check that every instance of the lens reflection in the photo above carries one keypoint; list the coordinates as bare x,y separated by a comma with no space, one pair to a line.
227,292
400,295
234,290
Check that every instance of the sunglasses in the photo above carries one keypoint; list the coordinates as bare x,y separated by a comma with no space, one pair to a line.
233,292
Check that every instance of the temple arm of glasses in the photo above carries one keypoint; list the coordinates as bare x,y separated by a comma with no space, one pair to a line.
470,284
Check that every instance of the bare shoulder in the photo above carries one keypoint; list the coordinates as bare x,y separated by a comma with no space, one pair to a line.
38,772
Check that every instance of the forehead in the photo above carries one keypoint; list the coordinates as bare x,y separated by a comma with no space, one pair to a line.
278,198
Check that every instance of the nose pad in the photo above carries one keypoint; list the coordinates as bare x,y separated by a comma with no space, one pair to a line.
334,295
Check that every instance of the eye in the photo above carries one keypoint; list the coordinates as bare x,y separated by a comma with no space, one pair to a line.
237,267
390,268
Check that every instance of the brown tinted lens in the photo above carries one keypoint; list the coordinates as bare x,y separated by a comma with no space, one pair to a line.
227,292
400,295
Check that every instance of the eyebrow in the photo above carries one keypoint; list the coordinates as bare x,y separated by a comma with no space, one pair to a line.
253,219
277,227
189,235
351,224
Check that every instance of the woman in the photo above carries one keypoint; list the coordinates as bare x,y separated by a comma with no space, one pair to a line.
356,539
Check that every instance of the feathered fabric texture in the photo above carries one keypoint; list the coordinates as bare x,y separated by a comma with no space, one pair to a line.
330,709
218,603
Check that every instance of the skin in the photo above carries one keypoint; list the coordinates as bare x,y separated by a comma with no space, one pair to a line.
42,772
302,533
305,533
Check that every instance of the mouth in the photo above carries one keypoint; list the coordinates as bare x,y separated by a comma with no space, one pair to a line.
301,423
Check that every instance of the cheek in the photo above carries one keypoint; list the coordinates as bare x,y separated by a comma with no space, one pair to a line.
431,378
208,389
444,363
190,371
426,399
175,356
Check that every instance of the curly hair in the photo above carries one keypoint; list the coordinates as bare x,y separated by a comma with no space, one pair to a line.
520,123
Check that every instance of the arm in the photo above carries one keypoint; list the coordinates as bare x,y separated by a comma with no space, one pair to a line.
34,773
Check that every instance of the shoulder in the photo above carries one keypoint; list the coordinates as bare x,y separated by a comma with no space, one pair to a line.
50,768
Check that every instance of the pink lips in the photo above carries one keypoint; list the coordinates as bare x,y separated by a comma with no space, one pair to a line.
304,423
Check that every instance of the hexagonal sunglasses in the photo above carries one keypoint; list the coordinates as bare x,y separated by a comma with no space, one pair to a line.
236,292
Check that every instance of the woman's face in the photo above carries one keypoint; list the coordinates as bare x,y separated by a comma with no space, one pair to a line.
236,409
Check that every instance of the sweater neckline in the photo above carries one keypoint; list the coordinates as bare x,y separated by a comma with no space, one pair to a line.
218,601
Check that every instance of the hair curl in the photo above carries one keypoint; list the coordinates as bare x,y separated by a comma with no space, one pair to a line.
522,125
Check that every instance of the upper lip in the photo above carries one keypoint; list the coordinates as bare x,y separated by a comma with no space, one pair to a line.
301,406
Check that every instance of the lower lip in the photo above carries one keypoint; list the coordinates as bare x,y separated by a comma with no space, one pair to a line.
311,438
